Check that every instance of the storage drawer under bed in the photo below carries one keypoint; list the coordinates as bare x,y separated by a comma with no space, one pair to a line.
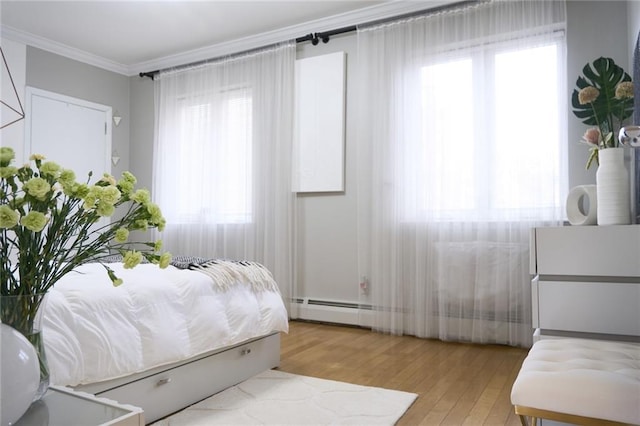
171,390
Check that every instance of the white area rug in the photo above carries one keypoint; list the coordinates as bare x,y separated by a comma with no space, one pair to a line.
278,398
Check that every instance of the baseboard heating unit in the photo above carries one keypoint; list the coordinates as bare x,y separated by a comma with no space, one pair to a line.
333,311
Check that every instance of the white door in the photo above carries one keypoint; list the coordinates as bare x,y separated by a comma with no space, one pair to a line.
74,133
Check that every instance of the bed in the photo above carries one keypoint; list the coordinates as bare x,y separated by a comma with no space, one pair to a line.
165,338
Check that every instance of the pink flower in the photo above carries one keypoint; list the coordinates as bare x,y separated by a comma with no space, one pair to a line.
592,136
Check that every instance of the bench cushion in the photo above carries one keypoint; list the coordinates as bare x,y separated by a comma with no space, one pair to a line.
589,378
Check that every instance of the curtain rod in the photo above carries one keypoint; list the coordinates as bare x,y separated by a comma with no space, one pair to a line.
325,36
314,38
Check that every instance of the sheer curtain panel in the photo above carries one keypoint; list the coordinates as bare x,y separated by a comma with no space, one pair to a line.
222,159
461,151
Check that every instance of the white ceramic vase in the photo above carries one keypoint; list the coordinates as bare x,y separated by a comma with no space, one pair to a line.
612,188
19,374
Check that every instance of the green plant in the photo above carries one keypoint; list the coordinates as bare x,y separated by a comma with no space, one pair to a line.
604,99
50,224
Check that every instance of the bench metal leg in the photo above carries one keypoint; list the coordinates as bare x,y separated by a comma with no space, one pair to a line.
534,414
523,420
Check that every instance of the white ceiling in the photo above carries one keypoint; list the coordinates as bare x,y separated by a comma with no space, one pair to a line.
135,36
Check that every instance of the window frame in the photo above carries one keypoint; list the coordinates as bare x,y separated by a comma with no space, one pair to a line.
218,105
483,208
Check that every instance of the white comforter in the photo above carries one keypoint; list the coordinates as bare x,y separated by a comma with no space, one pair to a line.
94,331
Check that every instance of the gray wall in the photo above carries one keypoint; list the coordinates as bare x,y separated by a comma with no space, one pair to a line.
142,130
327,223
58,74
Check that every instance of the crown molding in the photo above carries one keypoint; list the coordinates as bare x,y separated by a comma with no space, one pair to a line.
369,14
62,50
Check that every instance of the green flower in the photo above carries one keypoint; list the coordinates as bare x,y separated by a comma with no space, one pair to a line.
140,225
110,195
126,187
89,201
131,259
69,189
80,190
43,203
34,221
112,276
95,191
6,156
8,217
141,196
121,235
50,169
94,194
129,177
37,188
127,183
67,177
105,209
108,179
154,212
165,259
8,171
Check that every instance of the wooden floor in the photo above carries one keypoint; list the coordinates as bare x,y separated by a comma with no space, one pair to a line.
456,383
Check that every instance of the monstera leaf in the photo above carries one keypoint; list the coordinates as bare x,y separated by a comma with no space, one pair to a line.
604,75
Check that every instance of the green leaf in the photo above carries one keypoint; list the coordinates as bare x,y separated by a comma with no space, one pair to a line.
604,75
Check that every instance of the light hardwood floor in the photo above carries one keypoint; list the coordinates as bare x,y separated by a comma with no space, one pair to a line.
456,383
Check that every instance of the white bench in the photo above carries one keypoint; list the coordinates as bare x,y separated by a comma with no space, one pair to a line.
579,381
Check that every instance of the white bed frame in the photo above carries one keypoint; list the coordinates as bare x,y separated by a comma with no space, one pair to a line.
164,390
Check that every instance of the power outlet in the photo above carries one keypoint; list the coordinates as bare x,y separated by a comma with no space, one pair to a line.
364,285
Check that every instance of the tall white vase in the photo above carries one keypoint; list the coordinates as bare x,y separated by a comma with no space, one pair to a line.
612,188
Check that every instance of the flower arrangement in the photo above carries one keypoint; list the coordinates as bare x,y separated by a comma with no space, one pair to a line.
603,99
50,224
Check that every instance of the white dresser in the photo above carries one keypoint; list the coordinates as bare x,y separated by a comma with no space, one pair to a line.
586,282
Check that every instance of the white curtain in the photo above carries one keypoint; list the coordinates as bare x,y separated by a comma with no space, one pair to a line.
461,151
222,159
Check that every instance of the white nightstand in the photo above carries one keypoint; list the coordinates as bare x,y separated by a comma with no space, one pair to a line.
62,406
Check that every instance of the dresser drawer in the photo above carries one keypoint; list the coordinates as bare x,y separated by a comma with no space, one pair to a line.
589,307
604,251
169,391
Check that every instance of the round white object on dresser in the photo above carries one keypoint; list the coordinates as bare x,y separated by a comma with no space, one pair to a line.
582,198
19,374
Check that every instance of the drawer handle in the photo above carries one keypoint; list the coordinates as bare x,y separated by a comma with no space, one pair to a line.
245,351
163,381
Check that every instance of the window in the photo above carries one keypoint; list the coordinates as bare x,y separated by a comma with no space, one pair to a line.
218,190
491,129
